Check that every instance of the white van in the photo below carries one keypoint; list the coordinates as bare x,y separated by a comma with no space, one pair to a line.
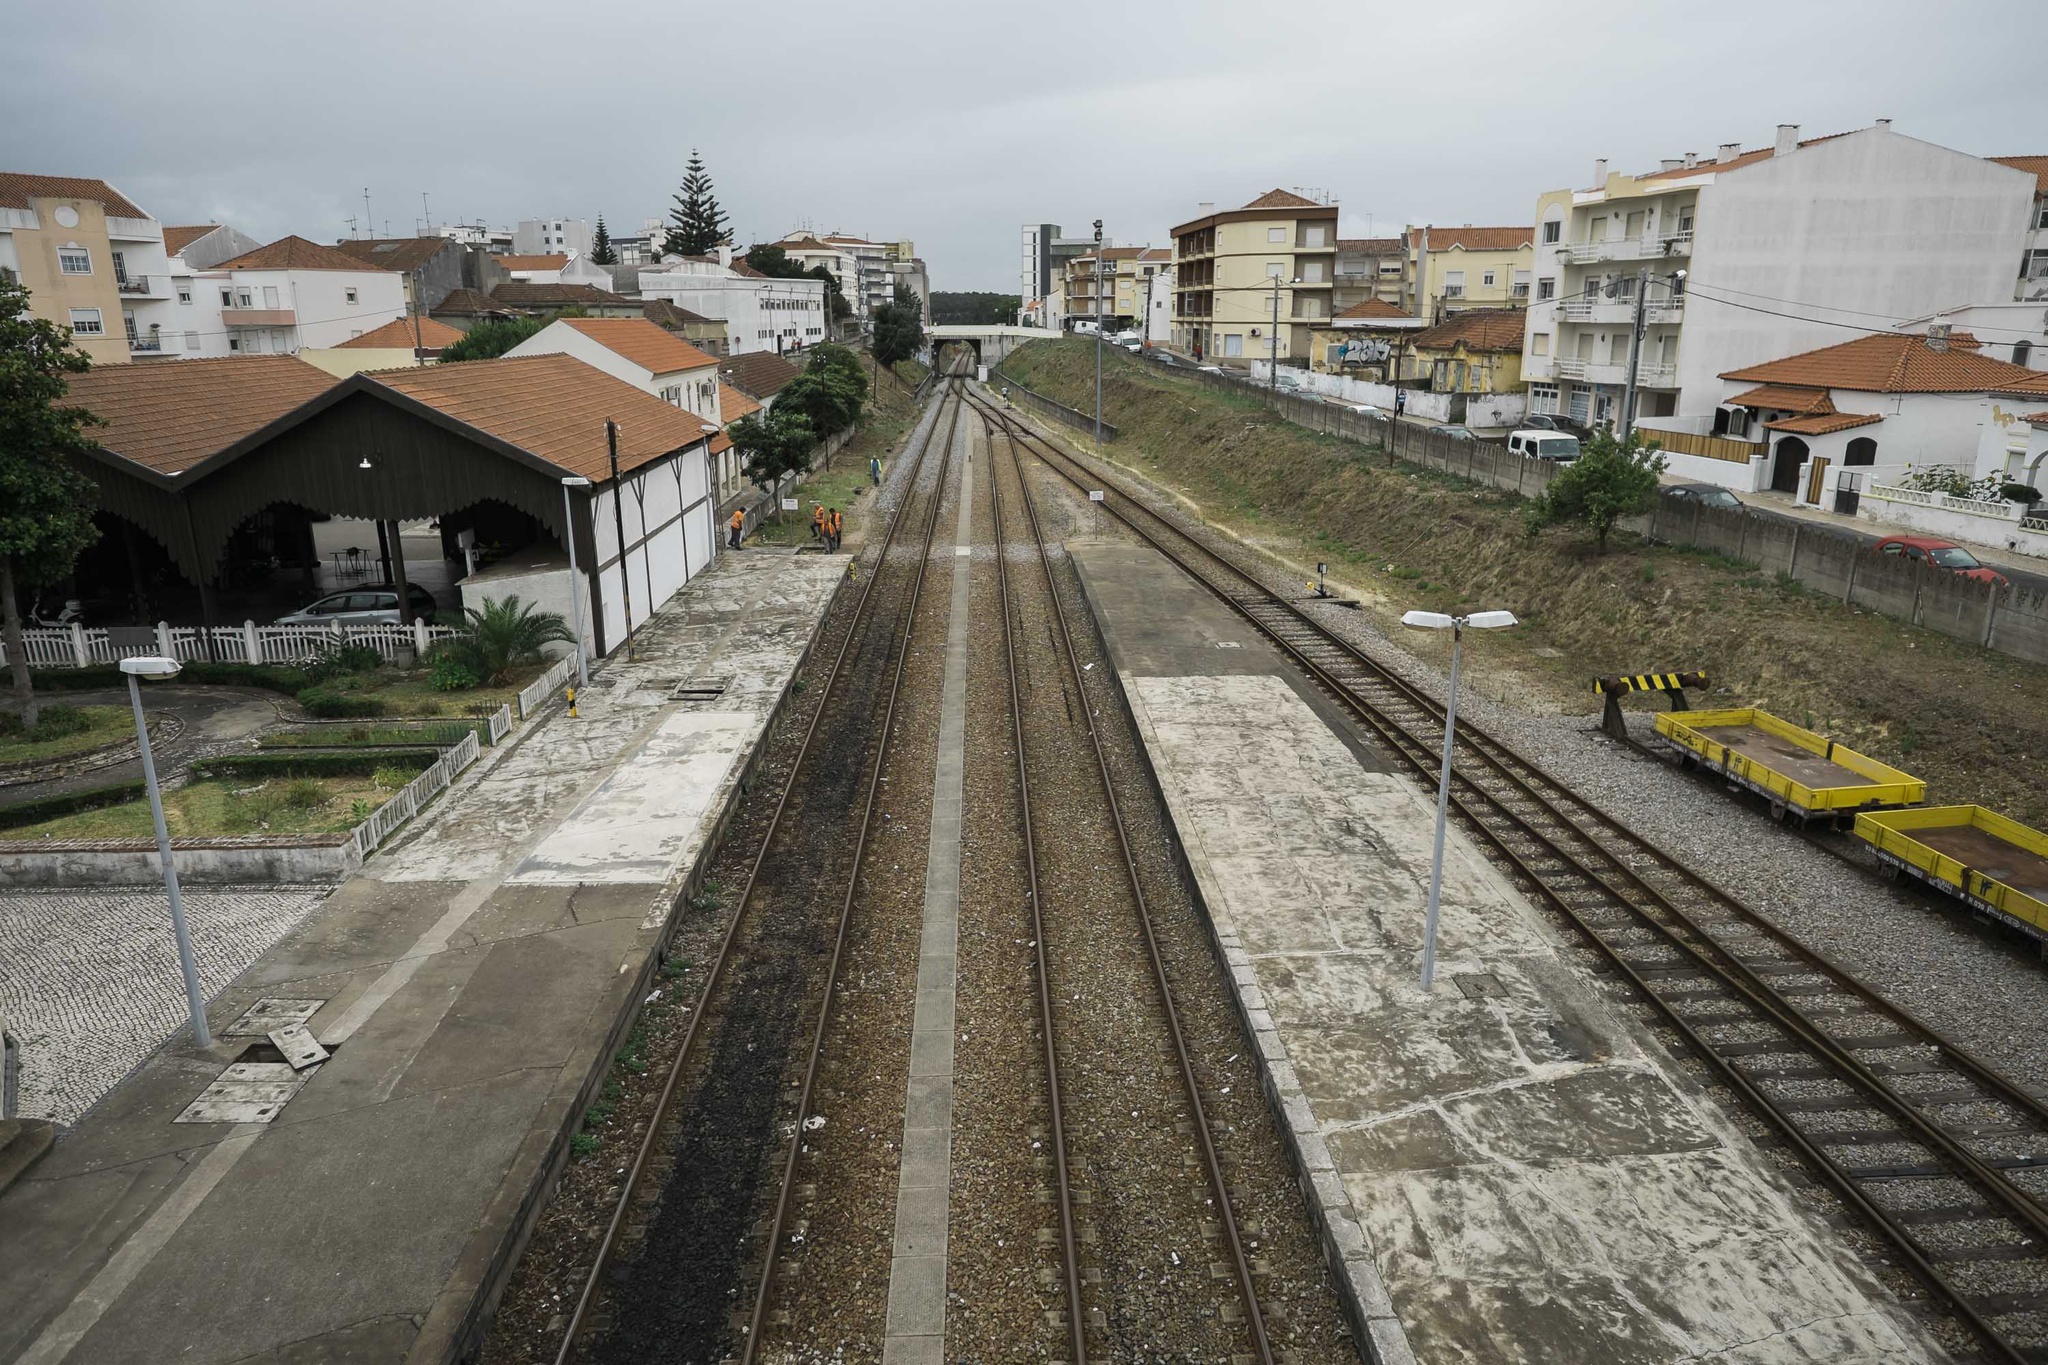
1544,445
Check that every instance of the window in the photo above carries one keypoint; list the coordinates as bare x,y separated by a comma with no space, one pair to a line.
191,341
1454,284
1312,272
1552,230
1276,270
1315,234
349,294
1278,234
74,260
227,298
184,293
1543,398
1521,289
1390,267
1487,279
2021,351
270,296
2034,266
1539,343
243,299
1685,220
86,322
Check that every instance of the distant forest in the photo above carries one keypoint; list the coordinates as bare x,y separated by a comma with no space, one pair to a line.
973,309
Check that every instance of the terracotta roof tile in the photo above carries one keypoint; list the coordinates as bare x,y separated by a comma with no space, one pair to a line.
1749,158
1477,329
2037,166
1823,423
1805,402
394,253
17,187
1475,238
551,262
2037,419
176,239
551,406
739,267
468,303
1377,310
758,374
171,416
643,343
294,253
1370,246
733,405
398,334
520,294
662,313
1281,199
1895,362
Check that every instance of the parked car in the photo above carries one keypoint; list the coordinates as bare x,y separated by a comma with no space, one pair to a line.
1706,494
1550,421
1458,433
1544,445
1942,554
1368,410
375,605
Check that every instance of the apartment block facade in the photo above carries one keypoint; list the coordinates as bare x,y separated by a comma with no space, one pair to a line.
91,259
2033,282
1238,272
1450,269
1125,276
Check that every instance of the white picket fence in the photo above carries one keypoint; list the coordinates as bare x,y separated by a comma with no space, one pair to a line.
78,647
501,722
416,793
535,694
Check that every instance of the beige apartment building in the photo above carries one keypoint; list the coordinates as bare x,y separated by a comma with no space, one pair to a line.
1450,269
1235,272
92,261
1125,274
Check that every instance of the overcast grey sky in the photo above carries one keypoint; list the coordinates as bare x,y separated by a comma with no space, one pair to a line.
952,124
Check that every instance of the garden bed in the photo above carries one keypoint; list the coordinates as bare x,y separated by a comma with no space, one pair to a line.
64,732
234,805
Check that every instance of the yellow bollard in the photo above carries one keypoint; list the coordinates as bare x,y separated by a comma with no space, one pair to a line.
572,703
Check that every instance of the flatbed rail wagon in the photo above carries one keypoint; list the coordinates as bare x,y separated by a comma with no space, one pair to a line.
1800,773
1994,864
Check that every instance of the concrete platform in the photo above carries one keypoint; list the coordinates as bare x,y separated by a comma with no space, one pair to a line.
1505,1170
468,981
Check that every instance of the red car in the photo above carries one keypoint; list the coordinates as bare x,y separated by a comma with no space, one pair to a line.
1942,554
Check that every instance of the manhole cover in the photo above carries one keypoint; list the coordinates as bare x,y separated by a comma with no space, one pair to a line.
700,689
1477,985
269,1015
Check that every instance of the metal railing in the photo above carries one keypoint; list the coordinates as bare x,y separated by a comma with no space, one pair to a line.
414,795
535,694
1645,246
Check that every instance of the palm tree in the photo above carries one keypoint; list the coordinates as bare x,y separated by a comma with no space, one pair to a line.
503,635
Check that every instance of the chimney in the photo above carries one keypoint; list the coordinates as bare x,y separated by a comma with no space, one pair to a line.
725,253
1692,159
1600,173
1937,337
1729,151
1671,163
1205,208
1884,123
1788,138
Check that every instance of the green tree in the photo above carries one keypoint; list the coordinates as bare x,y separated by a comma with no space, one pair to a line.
489,340
1610,480
774,444
505,634
899,328
46,504
696,223
601,249
828,394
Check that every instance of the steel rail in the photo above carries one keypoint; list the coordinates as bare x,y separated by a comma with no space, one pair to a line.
1077,1327
1723,964
629,1189
766,1288
1212,1167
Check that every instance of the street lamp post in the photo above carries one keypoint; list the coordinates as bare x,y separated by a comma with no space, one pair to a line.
1436,620
575,578
1098,331
154,666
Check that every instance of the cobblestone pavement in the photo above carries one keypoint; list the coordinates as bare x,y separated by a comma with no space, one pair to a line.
89,979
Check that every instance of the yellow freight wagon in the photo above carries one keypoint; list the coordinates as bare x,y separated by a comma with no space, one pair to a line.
1997,865
1799,771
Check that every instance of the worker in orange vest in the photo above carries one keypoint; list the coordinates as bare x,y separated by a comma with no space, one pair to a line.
738,524
832,528
817,521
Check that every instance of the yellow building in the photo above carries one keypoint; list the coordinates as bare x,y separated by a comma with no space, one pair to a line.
1453,268
91,260
1237,272
1125,274
1478,350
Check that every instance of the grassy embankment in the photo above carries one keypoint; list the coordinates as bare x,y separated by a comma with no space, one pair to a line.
221,806
1971,722
845,485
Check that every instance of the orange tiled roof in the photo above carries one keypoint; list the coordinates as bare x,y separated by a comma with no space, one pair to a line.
171,416
1477,329
398,334
393,253
2037,419
551,406
760,374
1805,402
1895,362
1369,246
643,343
1377,310
553,262
295,253
520,294
662,313
1749,158
2036,166
16,188
1822,423
1281,199
1475,238
176,239
733,405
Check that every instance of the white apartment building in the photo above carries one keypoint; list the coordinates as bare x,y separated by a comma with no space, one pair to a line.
761,314
1753,255
289,296
808,252
2033,282
635,350
550,237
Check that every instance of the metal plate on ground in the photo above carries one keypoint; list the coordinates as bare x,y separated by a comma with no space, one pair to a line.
700,689
299,1047
1478,985
269,1014
247,1092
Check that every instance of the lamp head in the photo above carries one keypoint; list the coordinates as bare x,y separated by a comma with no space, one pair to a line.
1427,620
1491,620
575,481
153,666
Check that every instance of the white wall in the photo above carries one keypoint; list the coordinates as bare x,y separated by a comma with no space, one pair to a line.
545,585
756,311
665,506
319,298
1885,515
559,338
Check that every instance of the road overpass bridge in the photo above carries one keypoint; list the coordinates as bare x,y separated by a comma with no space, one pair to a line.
991,345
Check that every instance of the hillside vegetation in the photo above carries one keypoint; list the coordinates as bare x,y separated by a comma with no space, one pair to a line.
1971,722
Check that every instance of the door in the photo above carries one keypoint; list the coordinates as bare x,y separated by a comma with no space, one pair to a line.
1816,479
1791,454
1582,406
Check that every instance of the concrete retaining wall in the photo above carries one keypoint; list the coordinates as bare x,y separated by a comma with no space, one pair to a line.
244,861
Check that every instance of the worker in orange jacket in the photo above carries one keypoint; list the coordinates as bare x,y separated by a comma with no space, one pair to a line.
833,525
817,521
738,524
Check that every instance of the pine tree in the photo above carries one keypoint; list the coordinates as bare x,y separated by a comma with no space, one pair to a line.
696,223
601,252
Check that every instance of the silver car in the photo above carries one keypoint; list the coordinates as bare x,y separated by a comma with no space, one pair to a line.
376,605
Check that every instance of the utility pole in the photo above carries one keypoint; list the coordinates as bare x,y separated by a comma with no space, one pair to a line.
1098,331
1273,341
1145,327
369,223
1635,350
419,347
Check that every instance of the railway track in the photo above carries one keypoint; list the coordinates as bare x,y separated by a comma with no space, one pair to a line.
1091,1301
684,1234
1937,1152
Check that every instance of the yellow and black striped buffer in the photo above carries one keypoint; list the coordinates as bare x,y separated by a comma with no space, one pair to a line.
1648,682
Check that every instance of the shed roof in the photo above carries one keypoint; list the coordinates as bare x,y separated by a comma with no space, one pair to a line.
398,333
733,405
552,261
2036,166
1476,329
176,239
643,343
1823,423
393,253
169,417
469,303
1897,362
759,374
1785,398
663,313
295,253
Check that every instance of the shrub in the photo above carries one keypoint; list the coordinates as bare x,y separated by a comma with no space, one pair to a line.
505,633
1951,481
348,659
1610,480
273,677
450,672
69,803
275,763
2020,492
303,793
329,703
391,777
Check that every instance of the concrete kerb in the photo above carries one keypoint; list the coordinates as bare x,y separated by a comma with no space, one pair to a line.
1360,1290
455,1328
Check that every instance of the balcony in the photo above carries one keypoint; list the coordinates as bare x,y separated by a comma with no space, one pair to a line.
153,344
134,229
1620,311
1648,376
143,286
259,317
1646,247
